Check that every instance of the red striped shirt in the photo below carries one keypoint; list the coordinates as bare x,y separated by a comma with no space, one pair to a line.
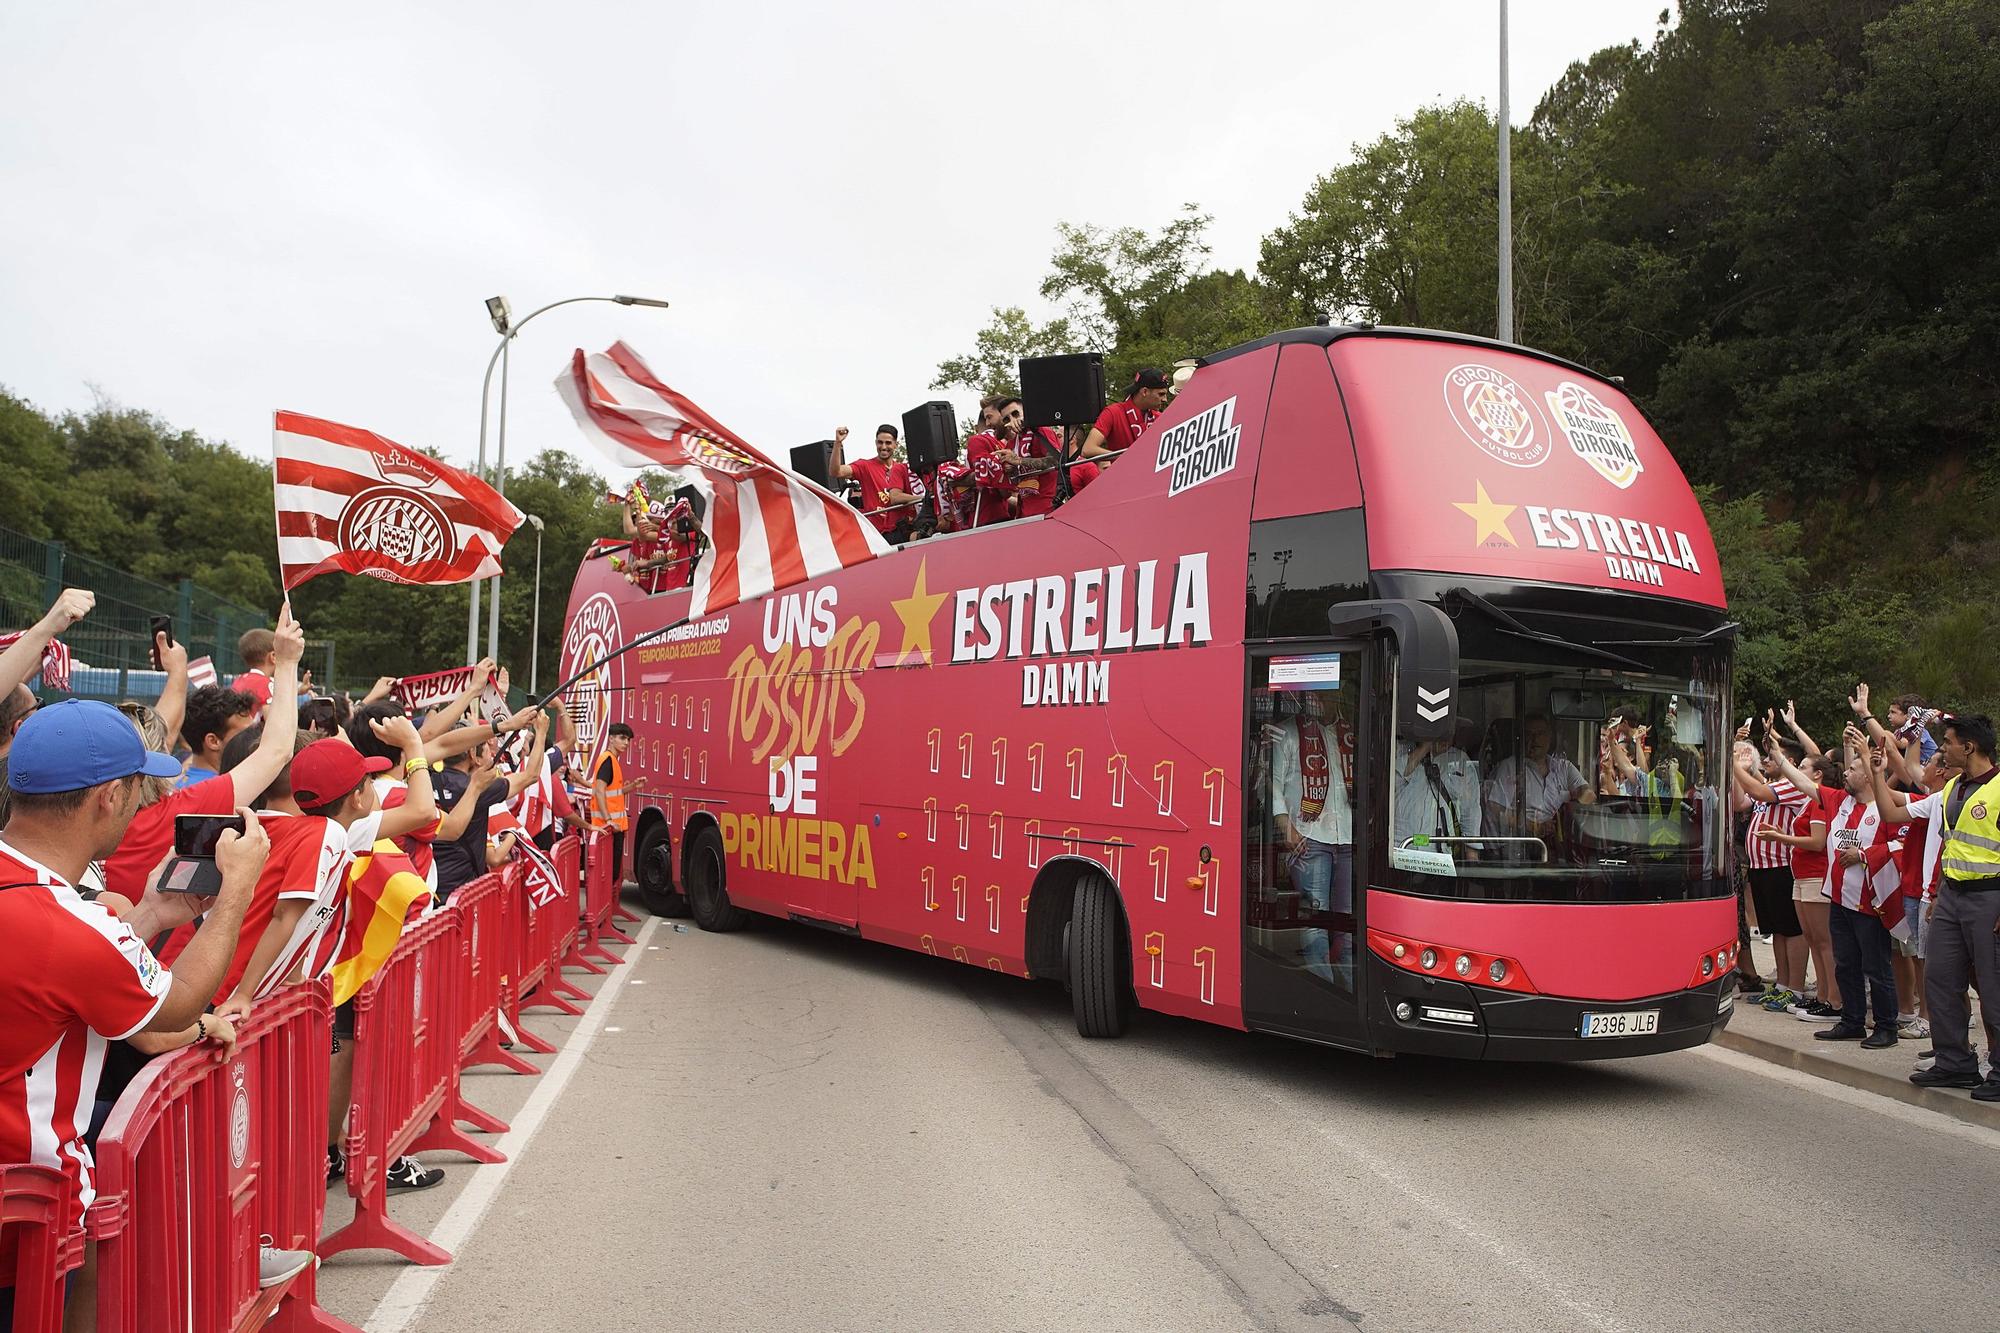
1777,814
91,979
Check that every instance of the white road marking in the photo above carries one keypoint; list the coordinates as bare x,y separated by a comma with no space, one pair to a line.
407,1296
1919,1116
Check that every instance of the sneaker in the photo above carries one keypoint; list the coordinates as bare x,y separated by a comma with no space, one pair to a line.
1938,1078
1879,1039
1816,1012
1913,1027
336,1164
410,1174
1839,1032
275,1266
1780,1000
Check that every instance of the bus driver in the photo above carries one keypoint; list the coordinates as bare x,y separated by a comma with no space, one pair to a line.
1526,792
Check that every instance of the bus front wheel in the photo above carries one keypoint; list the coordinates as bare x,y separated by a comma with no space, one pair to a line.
654,869
1100,960
707,886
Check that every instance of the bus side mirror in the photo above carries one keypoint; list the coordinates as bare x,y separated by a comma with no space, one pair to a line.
1426,660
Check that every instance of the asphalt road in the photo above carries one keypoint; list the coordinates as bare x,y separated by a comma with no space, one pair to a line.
783,1129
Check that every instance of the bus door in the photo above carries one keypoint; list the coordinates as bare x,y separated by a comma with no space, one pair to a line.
1304,793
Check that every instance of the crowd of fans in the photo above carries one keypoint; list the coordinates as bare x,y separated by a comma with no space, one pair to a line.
1874,869
143,944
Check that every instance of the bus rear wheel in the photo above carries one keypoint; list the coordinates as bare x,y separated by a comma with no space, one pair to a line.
654,869
1100,960
707,885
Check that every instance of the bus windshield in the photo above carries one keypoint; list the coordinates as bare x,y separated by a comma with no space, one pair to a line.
1568,784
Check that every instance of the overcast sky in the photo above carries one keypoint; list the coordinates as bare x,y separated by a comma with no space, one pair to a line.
214,210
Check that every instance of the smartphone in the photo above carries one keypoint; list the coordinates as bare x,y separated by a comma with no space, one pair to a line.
318,714
197,835
161,625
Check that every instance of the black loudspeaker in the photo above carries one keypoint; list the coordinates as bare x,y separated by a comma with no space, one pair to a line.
1062,390
692,495
810,462
930,434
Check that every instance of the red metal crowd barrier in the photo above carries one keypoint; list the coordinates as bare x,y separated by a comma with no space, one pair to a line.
407,1023
35,1214
487,908
550,938
199,1160
600,899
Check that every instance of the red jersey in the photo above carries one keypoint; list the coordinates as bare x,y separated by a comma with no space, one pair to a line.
1081,475
417,846
258,686
1123,423
293,872
317,853
150,836
1808,862
875,479
1038,494
91,979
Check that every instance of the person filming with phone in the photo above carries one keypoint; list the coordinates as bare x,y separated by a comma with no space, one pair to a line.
79,973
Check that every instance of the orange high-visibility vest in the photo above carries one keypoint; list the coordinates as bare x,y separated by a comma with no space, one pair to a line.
614,799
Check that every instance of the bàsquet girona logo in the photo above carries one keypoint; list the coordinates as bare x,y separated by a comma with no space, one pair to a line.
802,683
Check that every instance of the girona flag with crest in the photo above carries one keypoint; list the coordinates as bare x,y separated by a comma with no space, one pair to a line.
350,500
767,527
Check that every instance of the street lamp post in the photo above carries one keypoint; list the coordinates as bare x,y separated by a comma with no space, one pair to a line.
535,634
507,327
1505,301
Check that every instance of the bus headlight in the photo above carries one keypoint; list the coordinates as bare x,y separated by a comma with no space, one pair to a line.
1496,971
1429,958
1463,966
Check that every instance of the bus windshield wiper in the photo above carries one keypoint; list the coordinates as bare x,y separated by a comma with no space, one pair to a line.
1509,625
1726,630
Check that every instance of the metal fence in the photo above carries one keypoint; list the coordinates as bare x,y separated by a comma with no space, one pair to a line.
112,647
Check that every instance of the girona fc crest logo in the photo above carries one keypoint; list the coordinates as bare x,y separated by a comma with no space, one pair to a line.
399,525
1497,415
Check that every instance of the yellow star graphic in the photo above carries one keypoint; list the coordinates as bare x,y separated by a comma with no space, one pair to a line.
1490,517
916,612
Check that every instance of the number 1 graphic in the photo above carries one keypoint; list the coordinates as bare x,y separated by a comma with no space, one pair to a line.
965,754
958,894
1000,761
930,889
1204,959
1211,782
1036,753
1208,884
704,767
1076,774
1031,829
997,822
704,717
930,819
962,813
670,761
1159,860
1156,956
936,739
993,908
1163,776
676,710
1116,766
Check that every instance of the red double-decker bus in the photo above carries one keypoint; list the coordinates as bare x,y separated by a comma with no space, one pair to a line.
1378,697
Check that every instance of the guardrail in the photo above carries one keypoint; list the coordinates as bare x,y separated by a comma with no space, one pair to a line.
199,1160
47,1244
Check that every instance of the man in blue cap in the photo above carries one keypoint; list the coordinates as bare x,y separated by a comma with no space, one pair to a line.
71,973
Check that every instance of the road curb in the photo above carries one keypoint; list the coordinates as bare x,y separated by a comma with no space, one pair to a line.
1948,1102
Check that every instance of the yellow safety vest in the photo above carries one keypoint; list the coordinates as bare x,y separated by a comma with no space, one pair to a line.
614,799
1971,846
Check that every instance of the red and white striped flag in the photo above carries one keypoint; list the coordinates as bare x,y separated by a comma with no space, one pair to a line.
767,527
350,500
201,673
55,660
